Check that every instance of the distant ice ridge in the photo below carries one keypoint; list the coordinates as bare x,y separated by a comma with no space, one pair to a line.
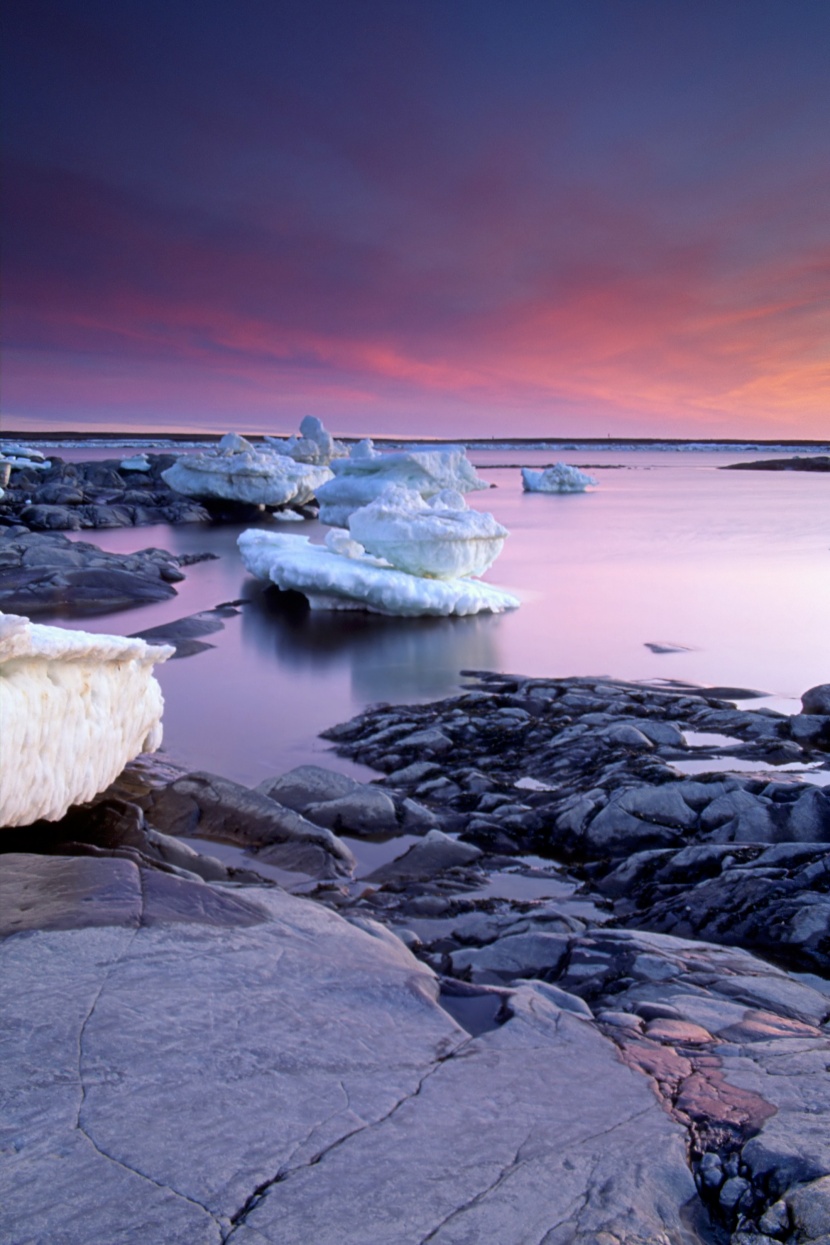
402,555
75,709
560,478
366,473
236,471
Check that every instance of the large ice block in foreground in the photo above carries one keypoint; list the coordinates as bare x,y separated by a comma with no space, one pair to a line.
234,470
440,538
560,478
366,473
74,709
340,576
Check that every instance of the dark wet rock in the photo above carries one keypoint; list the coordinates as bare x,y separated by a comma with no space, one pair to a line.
346,806
816,462
434,854
817,700
75,496
185,633
201,805
48,573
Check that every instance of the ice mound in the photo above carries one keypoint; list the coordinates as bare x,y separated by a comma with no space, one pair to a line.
24,457
313,445
440,538
560,478
75,709
237,471
367,473
341,576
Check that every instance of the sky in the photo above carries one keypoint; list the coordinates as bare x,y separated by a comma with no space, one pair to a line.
459,218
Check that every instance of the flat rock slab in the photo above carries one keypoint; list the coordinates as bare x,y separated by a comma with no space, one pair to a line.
287,1076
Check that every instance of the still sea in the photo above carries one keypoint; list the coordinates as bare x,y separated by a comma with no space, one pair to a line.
671,569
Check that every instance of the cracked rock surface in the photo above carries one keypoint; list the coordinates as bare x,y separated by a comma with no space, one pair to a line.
259,1069
581,1000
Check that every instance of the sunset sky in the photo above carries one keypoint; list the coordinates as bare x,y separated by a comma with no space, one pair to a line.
434,217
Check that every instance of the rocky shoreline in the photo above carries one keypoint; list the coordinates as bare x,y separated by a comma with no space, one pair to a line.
621,975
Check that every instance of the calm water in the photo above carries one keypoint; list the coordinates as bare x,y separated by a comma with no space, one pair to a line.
732,568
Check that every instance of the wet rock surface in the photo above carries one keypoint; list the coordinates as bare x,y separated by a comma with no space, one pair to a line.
48,573
77,496
580,996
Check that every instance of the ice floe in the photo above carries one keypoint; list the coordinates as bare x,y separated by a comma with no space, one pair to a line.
235,470
366,473
560,478
340,576
440,538
75,708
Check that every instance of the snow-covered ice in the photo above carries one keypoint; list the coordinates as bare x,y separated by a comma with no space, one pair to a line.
366,473
339,576
235,470
314,444
441,538
138,462
75,709
560,478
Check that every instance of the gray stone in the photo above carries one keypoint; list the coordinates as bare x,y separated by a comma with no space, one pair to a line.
434,854
307,784
515,955
738,817
206,806
628,735
817,700
809,1208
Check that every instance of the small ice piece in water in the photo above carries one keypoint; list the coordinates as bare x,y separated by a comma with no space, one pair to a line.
234,470
440,538
348,580
367,473
560,478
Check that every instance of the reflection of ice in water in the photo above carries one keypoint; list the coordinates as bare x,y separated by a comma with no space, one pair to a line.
410,658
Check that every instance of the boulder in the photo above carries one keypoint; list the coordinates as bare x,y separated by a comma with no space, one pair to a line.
817,700
206,806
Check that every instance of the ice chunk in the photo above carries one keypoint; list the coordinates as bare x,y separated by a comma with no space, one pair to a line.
235,470
75,709
353,580
560,478
366,473
138,462
24,457
313,445
440,538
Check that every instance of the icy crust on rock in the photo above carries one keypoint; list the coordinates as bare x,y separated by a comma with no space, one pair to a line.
75,708
560,478
236,471
440,538
366,473
340,576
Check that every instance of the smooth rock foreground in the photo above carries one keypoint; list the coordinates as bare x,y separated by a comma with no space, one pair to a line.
198,1064
202,1060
